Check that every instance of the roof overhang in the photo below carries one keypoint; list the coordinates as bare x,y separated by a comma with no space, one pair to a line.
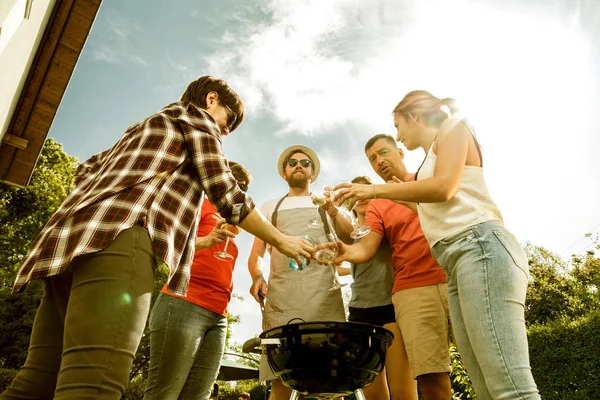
56,56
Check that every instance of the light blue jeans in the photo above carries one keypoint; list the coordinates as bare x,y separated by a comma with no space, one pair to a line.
487,281
186,346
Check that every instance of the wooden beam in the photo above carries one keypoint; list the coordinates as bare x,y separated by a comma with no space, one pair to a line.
15,141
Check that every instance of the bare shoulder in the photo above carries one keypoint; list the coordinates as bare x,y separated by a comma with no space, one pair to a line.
453,127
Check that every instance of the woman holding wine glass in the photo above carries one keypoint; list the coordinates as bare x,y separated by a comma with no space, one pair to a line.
486,267
187,334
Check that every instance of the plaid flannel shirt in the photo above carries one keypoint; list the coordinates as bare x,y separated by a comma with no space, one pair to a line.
156,174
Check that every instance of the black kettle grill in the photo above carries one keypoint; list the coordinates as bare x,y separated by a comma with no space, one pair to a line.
324,359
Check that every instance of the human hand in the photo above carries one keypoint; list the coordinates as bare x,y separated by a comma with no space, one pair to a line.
296,248
350,193
329,207
259,285
342,252
218,234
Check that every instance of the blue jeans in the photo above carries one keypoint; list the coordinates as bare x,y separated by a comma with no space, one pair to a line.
186,346
487,281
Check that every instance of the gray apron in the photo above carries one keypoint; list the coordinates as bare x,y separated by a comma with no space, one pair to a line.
298,294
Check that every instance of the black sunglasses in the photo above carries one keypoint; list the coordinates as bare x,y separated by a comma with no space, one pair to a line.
292,162
243,187
231,117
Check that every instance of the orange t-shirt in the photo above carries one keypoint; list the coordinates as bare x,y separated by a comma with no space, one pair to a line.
414,266
211,280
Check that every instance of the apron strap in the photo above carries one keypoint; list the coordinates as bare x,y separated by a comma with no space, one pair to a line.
321,214
274,215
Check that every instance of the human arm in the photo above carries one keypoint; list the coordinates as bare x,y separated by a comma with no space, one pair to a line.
255,268
342,225
203,141
408,204
452,146
359,252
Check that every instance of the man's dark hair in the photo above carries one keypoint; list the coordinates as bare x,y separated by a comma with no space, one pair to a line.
362,179
245,396
196,93
375,138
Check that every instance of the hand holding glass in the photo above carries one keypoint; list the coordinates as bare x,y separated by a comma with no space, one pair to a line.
319,199
224,255
292,263
358,231
328,250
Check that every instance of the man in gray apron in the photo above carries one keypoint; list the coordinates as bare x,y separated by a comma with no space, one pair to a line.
293,294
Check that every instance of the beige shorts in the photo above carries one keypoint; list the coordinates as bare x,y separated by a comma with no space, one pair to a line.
424,320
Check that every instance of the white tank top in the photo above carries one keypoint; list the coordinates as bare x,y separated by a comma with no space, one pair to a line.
470,205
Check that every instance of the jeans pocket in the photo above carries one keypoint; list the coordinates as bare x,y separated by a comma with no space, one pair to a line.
462,235
514,249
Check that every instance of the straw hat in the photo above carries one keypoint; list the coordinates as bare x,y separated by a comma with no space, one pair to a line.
287,153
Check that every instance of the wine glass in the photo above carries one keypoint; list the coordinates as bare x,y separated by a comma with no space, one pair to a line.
337,285
326,254
328,249
292,263
319,199
358,231
224,255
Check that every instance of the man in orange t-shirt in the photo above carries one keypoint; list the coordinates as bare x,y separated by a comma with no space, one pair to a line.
420,292
187,334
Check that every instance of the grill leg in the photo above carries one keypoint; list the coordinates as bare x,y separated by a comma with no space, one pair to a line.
296,395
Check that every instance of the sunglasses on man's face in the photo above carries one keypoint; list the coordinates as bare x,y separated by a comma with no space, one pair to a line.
243,187
231,117
292,162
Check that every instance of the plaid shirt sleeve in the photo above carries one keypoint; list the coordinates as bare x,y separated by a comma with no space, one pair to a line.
203,140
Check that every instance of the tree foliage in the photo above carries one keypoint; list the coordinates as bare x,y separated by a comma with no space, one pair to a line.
23,213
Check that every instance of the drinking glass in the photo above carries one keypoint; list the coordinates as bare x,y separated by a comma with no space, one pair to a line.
328,250
319,198
224,255
292,263
336,285
358,231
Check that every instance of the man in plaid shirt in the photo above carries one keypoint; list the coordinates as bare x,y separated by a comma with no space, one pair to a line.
133,205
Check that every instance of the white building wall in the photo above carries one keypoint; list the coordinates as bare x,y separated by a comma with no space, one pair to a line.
20,35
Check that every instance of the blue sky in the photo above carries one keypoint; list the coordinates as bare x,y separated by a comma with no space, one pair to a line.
327,73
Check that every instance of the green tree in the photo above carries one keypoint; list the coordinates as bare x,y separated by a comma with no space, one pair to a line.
551,294
23,213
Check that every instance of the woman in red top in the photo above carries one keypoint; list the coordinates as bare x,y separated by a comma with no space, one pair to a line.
187,334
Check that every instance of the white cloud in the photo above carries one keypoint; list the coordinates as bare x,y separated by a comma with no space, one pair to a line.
122,36
525,74
317,64
105,53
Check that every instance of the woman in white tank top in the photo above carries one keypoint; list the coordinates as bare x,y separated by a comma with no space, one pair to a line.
486,267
